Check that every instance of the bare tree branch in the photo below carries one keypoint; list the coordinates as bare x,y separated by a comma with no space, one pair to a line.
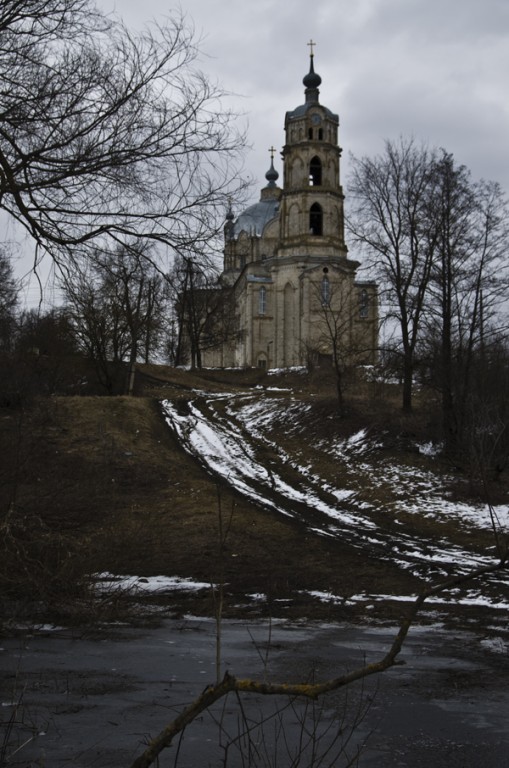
105,134
229,683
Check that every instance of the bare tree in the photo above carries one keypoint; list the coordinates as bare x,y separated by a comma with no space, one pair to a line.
439,241
104,134
485,418
390,220
99,331
8,300
204,309
118,308
468,287
346,325
45,333
137,291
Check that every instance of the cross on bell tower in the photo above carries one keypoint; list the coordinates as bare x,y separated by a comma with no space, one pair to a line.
312,216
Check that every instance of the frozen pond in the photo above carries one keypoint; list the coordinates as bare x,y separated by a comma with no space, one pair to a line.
93,702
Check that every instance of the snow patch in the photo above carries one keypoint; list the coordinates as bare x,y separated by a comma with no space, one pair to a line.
106,582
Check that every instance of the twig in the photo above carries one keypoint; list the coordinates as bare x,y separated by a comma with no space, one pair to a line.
230,683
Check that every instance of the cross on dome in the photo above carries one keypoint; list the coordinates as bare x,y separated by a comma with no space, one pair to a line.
312,80
272,175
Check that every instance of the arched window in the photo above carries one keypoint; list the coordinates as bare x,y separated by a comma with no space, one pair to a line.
315,172
262,301
316,219
363,304
320,134
325,292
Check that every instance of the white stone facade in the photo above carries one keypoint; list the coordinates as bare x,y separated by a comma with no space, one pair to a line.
294,288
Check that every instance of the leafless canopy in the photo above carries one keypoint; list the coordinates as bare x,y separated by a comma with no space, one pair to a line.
438,242
104,134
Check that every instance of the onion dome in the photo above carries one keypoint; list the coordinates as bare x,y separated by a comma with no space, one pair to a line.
272,175
228,227
312,80
255,218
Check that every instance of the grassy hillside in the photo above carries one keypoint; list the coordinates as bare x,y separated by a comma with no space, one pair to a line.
94,484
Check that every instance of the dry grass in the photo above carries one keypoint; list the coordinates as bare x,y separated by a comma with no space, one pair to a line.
105,480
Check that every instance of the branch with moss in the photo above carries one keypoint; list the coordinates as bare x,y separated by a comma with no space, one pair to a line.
230,683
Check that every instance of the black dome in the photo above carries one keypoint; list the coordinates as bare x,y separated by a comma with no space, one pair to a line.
312,79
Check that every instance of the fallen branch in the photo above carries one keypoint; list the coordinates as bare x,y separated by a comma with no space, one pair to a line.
229,683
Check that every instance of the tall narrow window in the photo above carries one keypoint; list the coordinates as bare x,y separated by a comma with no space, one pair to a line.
316,219
363,304
315,172
325,292
262,301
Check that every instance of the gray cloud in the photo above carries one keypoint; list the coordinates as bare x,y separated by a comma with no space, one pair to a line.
431,69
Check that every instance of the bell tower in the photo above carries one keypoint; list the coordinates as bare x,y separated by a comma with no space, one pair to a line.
293,293
312,219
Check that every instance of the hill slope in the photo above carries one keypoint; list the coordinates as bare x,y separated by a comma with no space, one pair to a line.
238,479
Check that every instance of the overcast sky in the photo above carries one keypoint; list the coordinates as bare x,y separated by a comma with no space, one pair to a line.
437,70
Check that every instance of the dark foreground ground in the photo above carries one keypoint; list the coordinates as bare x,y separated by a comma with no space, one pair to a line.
102,484
94,701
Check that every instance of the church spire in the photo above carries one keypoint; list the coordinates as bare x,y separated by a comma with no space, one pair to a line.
312,80
228,227
272,175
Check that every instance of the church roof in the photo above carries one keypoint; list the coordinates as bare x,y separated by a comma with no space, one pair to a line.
301,110
255,218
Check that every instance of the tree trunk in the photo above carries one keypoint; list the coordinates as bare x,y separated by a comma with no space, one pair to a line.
407,386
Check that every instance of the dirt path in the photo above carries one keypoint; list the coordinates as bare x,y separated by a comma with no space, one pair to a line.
252,462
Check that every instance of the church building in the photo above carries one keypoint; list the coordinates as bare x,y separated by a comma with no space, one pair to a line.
295,295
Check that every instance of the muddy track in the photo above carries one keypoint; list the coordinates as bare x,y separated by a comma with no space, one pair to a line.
209,429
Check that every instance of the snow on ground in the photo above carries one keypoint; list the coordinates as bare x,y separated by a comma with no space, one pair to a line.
496,645
229,433
225,450
470,598
107,582
424,488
